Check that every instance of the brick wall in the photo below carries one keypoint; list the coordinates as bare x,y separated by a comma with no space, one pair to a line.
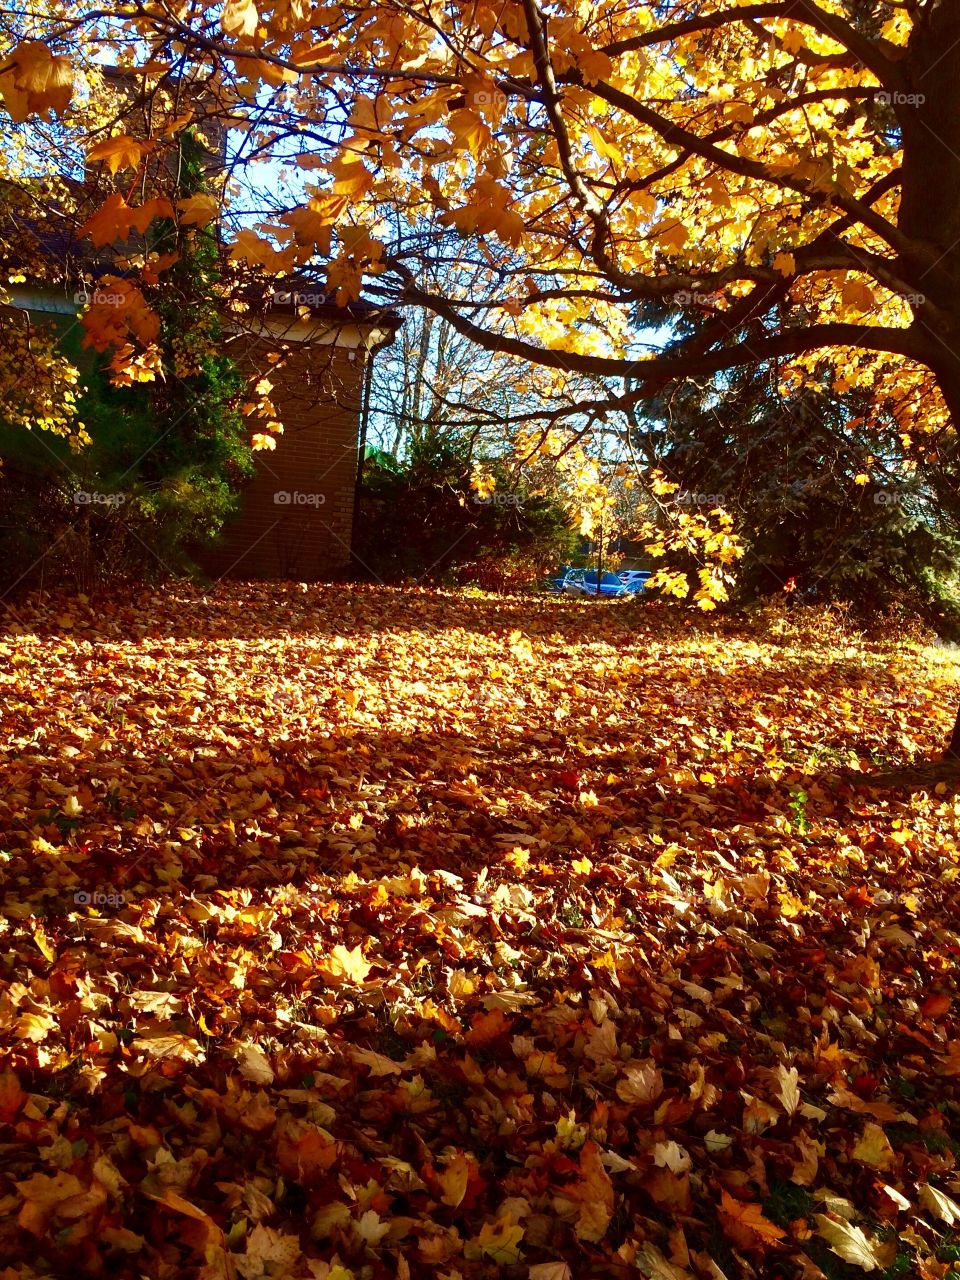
296,512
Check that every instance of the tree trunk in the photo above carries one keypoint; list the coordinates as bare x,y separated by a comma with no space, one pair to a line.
952,752
928,109
930,127
948,380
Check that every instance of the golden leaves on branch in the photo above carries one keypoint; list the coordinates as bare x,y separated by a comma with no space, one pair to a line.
121,152
118,311
115,220
35,81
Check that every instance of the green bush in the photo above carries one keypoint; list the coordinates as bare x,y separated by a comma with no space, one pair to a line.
424,521
827,502
162,471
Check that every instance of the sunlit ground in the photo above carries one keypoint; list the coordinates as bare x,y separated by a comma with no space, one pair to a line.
381,934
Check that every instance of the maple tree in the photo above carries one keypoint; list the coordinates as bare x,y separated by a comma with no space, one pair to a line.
400,933
786,170
378,934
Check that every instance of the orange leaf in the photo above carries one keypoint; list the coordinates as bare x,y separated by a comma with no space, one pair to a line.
34,80
180,1205
120,152
12,1096
745,1224
935,1006
197,210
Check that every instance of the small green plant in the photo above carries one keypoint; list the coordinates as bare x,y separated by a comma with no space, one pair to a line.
798,812
57,818
572,916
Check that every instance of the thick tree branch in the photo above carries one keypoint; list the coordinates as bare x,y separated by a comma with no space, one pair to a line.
678,362
877,56
692,26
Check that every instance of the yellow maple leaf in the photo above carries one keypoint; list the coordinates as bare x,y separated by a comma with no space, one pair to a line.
785,263
594,65
788,1081
42,1194
792,40
741,112
454,1180
120,152
873,1148
269,1252
851,1243
343,965
483,483
352,178
499,1241
604,147
858,295
240,18
197,210
33,1026
671,235
32,80
470,131
255,250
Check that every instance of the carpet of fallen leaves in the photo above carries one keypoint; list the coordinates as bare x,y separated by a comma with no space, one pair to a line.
355,933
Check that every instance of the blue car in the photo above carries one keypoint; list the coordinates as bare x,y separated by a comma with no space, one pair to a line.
583,582
635,579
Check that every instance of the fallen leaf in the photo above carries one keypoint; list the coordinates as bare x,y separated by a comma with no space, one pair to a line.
254,1064
745,1224
848,1242
345,965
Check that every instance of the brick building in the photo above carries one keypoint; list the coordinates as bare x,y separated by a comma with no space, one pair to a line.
297,511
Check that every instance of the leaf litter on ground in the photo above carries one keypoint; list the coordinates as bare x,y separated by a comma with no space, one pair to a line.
368,933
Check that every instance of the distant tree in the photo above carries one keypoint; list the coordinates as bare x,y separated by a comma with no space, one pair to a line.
825,503
433,381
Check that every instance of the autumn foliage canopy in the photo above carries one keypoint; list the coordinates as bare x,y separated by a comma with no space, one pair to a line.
760,162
